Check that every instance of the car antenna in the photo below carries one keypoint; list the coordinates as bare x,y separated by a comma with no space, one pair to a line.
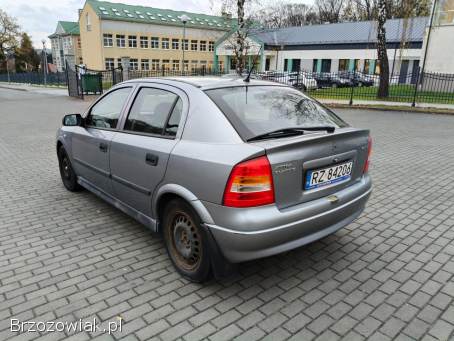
248,77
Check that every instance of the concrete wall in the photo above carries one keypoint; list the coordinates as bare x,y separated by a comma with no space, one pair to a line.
440,51
92,53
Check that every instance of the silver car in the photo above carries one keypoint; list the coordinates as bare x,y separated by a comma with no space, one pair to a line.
226,170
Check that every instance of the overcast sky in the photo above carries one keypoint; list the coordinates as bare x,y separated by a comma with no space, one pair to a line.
39,17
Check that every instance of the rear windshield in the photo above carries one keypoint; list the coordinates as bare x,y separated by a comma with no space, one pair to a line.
256,110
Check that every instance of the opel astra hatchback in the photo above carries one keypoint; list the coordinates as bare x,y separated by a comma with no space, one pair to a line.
226,170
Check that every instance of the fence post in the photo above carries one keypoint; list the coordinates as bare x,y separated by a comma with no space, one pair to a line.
352,87
413,104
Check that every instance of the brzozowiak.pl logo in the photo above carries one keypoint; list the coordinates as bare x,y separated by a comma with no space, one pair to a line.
91,326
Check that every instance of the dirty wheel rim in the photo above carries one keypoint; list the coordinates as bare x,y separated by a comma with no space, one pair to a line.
186,242
65,168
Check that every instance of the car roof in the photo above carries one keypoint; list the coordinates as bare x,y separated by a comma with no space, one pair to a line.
205,82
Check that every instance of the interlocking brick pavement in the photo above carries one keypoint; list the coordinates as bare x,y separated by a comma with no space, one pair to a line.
387,276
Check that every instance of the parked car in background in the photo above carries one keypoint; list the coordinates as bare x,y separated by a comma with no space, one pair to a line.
328,80
225,170
357,78
300,80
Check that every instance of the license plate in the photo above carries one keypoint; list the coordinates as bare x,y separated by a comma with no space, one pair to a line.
328,176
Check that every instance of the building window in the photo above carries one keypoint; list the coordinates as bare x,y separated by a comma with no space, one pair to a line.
134,64
155,42
108,40
145,64
175,44
132,41
119,62
194,65
211,46
326,65
121,40
155,64
203,64
88,22
109,63
81,61
144,42
377,67
357,65
79,44
175,65
193,45
166,64
186,44
165,43
366,66
343,64
203,45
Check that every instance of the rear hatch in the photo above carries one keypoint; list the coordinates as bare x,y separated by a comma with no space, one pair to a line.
293,158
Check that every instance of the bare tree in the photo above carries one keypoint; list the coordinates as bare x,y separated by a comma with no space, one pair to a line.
238,40
286,14
330,10
9,31
383,87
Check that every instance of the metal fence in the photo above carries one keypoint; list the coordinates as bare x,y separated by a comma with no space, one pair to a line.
52,79
162,72
357,86
344,86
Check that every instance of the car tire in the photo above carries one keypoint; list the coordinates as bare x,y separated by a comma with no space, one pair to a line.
186,241
68,176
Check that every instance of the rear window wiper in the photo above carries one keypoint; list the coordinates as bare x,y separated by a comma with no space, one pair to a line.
290,132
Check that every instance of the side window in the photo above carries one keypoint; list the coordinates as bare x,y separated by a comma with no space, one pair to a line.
174,120
150,111
106,112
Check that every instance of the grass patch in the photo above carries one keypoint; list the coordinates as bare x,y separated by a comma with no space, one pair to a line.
397,93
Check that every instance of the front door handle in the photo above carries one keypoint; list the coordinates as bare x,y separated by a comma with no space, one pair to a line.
151,159
103,147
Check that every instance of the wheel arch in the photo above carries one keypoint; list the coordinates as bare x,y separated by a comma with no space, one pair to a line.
168,192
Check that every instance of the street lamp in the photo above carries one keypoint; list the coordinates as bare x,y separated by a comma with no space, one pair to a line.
184,19
44,61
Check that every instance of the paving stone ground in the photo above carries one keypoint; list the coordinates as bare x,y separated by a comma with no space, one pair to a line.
387,276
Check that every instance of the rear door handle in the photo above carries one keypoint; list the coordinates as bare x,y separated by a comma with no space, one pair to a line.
103,147
151,159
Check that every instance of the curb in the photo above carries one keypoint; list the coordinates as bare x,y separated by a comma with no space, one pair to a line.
408,109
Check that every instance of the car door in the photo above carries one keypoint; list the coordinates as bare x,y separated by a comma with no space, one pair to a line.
91,143
140,151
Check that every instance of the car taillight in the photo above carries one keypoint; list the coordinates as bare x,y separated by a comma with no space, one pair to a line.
369,150
250,184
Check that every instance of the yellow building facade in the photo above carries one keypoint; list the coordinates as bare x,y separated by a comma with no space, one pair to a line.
150,38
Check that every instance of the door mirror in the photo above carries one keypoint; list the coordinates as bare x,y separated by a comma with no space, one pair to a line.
72,120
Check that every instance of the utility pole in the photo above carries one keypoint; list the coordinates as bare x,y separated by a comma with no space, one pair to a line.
427,42
44,62
184,19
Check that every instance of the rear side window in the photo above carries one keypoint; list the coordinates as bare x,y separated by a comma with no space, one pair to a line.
256,110
150,111
106,112
174,120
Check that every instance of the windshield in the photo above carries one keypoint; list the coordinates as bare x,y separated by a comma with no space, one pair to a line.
257,110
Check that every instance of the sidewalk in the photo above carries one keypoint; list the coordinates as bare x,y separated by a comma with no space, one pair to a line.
384,104
49,90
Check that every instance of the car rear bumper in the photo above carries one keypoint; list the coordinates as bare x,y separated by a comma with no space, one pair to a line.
245,234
